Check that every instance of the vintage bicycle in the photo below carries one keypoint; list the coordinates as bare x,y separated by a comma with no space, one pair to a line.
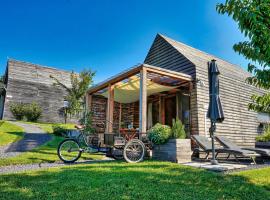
133,149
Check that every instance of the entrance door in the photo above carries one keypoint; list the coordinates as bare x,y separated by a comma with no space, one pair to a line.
170,110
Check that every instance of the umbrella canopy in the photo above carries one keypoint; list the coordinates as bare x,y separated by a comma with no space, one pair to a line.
215,111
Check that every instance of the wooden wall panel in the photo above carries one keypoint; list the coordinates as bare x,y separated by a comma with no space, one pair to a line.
28,82
240,124
162,54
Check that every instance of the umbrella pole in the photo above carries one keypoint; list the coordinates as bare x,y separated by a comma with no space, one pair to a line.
212,130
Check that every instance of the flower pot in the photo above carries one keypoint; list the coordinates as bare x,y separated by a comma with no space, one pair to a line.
175,150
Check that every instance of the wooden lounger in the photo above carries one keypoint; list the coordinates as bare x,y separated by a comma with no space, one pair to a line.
229,144
232,146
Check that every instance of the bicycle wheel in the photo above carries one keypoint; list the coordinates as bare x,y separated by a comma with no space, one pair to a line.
69,151
134,151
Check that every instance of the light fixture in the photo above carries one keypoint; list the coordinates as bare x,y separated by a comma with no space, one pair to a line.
200,82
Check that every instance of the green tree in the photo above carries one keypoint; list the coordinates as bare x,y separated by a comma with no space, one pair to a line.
253,18
2,84
79,85
2,79
88,122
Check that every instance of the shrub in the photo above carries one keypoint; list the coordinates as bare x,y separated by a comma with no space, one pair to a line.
59,130
265,137
32,111
17,110
159,134
178,129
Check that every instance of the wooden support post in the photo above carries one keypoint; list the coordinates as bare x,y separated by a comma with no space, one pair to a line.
110,106
88,99
143,100
120,115
161,110
179,108
190,108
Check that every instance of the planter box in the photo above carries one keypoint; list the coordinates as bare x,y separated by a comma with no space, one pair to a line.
175,150
263,145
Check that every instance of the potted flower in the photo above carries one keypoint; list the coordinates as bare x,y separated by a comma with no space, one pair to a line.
263,140
170,144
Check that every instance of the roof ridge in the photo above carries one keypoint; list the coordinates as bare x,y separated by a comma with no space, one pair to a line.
39,65
168,39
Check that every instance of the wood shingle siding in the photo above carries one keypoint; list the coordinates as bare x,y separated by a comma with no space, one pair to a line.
28,82
163,54
240,124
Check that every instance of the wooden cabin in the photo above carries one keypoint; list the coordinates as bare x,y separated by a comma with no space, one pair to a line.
179,74
27,82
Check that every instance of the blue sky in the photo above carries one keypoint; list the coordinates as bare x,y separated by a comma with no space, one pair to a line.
109,35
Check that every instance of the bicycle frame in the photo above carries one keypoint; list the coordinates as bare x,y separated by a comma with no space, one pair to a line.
82,140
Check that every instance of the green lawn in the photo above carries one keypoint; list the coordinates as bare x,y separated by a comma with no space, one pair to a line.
48,126
9,133
44,153
146,180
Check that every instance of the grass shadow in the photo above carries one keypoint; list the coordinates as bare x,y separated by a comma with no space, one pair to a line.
118,180
10,133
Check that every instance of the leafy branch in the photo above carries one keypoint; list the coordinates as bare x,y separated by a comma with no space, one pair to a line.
253,18
79,85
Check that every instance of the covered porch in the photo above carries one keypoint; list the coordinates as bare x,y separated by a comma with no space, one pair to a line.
140,97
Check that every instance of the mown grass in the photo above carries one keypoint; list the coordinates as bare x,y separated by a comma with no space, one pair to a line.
48,126
46,152
9,133
146,180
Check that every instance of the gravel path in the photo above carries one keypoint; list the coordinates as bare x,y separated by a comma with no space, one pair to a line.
21,168
34,137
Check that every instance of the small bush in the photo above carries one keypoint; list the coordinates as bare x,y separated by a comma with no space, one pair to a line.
178,129
59,130
17,110
265,137
32,111
159,134
87,121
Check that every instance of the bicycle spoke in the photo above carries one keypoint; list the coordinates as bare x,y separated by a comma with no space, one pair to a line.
69,151
134,151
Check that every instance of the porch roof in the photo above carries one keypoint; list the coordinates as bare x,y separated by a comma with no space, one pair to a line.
128,92
161,72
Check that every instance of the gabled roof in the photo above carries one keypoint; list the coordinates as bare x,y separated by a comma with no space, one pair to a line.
198,57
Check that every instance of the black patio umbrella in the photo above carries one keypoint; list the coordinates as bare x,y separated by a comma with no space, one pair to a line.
215,111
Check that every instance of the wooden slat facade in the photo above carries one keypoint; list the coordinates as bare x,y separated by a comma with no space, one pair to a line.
29,82
240,124
164,55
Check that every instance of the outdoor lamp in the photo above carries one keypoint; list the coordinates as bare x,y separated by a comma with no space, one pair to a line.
66,104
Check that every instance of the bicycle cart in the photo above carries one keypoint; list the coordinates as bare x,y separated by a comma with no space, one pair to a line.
133,149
